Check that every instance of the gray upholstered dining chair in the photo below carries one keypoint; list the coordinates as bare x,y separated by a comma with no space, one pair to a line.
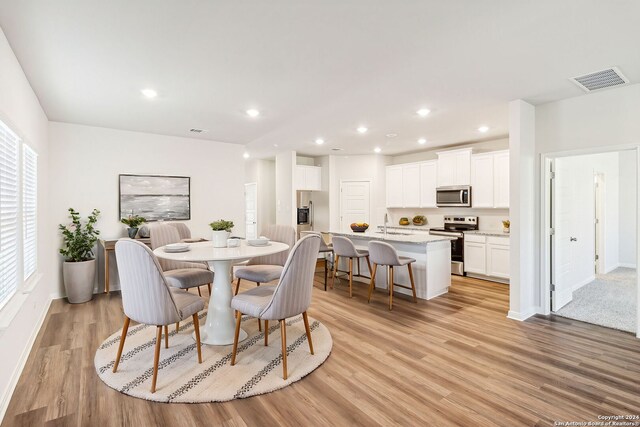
179,274
290,297
325,249
344,247
267,268
183,230
382,253
147,298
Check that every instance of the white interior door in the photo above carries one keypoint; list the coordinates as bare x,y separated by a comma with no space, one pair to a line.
598,187
355,205
251,210
563,253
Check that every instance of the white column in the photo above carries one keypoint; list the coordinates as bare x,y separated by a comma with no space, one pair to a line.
523,300
286,213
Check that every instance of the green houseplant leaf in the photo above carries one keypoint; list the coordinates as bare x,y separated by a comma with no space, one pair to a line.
78,238
221,225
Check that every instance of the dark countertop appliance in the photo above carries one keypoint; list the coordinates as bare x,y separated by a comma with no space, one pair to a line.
455,226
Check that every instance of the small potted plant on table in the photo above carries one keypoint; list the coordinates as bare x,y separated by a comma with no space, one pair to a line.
133,222
79,268
221,232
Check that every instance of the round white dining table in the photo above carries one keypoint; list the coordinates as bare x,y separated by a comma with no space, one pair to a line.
219,328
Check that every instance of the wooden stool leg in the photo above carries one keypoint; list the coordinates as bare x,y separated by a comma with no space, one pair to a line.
308,330
335,270
266,333
368,264
196,328
209,286
199,292
156,358
237,287
350,277
166,336
235,340
372,284
125,328
413,285
390,288
283,334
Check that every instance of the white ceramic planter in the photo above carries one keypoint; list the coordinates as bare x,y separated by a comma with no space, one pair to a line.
219,238
78,280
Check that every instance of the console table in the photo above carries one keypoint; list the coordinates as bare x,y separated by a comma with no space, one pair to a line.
110,246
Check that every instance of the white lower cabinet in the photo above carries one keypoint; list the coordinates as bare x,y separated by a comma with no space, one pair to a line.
486,255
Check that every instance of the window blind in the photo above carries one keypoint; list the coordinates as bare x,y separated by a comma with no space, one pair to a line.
9,197
29,211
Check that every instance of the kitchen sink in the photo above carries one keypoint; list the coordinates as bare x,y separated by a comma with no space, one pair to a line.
395,233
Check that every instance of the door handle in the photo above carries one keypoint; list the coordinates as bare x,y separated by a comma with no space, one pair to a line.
573,239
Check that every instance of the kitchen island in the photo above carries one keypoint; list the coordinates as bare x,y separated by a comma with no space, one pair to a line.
432,269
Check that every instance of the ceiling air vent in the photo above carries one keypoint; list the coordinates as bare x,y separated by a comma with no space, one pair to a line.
195,130
603,79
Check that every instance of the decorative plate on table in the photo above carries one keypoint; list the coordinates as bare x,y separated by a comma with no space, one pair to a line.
176,247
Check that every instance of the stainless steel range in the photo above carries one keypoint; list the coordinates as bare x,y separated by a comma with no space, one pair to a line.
455,226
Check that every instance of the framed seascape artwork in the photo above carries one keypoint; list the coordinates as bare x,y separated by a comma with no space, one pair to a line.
154,197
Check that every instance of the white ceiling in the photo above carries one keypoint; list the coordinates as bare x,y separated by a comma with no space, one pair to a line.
314,68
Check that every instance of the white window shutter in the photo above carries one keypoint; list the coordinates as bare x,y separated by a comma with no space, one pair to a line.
9,208
29,211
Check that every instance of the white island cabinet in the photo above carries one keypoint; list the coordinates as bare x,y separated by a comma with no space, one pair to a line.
431,271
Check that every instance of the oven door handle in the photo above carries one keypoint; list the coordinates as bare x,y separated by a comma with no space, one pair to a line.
446,234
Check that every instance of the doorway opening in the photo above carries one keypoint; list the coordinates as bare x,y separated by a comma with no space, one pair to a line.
251,210
591,250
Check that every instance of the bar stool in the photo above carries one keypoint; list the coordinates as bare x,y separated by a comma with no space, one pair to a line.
325,249
384,254
343,247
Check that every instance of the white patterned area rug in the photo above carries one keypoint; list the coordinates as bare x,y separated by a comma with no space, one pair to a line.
258,369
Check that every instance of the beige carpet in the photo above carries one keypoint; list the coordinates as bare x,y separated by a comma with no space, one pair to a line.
258,368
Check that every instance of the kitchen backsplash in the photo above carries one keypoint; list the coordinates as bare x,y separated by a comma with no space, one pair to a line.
488,219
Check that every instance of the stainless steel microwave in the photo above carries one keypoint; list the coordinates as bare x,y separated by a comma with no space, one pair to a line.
454,196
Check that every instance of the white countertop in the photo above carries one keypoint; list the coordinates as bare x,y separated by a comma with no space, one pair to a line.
495,233
418,239
424,228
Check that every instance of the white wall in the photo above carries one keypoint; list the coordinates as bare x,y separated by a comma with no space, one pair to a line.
89,159
598,121
20,109
321,214
285,190
263,172
628,203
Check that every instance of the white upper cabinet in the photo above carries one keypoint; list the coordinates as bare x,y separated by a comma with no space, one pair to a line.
501,179
490,180
411,185
482,180
394,186
428,183
308,178
454,167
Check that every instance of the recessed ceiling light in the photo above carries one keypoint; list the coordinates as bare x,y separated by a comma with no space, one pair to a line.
422,141
391,135
275,145
377,149
319,141
483,129
149,93
362,129
245,155
252,112
423,112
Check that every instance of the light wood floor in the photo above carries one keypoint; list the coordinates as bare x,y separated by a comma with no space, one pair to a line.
454,360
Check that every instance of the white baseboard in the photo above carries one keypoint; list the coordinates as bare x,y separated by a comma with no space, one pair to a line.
626,265
584,282
522,316
6,397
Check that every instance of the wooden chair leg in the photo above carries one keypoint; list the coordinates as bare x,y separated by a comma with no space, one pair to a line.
166,336
156,358
209,286
308,330
390,288
199,292
350,277
235,339
266,333
335,269
326,268
196,328
123,337
283,334
372,284
413,285
237,287
259,321
368,264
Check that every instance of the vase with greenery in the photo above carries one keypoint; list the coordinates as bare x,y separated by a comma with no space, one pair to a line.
133,222
221,231
79,268
506,225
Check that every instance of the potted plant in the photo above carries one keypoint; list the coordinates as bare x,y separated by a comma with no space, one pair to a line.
133,221
506,225
79,268
221,232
